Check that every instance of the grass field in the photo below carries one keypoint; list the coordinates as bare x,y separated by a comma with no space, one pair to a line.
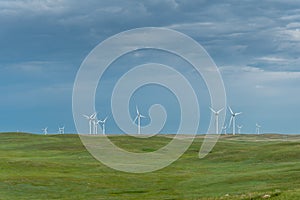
240,167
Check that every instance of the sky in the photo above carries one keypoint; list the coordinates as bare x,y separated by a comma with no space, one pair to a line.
255,44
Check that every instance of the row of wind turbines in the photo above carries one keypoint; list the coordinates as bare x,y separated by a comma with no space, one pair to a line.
232,120
61,130
94,122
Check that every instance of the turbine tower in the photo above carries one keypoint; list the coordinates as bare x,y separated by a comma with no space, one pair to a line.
96,123
232,119
103,125
45,130
138,117
91,118
224,128
257,128
216,118
239,128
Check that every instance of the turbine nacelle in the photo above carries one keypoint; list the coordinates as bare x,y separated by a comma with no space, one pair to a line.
90,117
103,121
216,112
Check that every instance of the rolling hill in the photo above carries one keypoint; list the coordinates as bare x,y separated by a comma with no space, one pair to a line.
239,167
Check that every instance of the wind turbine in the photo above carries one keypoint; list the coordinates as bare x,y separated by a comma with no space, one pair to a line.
232,119
257,128
96,123
91,118
45,130
138,117
216,118
224,128
239,128
61,130
103,125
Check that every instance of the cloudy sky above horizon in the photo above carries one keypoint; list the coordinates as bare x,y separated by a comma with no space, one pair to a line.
255,44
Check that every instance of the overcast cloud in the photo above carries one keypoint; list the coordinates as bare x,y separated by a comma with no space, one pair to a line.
256,45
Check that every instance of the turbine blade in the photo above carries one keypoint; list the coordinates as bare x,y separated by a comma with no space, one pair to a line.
230,121
135,119
137,110
230,110
94,115
238,113
105,119
220,110
86,116
142,116
212,110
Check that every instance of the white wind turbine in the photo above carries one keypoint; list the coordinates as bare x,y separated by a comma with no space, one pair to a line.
257,128
103,125
96,123
232,119
61,130
239,128
224,128
216,113
91,118
138,117
45,130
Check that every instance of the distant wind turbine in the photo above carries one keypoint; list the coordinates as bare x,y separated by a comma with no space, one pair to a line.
239,128
95,122
225,128
103,125
216,118
232,119
257,128
138,117
45,130
91,118
61,130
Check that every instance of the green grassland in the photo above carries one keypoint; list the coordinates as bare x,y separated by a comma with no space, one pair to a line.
239,167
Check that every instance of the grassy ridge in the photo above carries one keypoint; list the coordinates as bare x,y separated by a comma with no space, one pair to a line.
59,167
